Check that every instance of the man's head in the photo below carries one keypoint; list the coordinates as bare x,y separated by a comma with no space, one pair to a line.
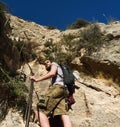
45,61
47,64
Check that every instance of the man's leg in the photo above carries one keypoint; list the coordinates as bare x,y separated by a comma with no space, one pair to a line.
66,121
44,122
36,116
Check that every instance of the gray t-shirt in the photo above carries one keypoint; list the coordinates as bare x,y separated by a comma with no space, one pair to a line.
57,79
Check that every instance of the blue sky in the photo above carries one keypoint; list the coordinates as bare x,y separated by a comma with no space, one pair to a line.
62,13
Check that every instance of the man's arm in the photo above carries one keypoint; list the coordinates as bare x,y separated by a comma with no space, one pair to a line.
50,74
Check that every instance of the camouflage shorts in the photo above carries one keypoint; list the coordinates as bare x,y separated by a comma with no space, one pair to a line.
56,101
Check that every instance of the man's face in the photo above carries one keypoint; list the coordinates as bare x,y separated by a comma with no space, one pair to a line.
47,64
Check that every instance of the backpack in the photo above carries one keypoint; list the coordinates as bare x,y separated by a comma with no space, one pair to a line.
68,78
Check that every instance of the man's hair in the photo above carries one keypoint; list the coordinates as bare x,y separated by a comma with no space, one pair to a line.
41,59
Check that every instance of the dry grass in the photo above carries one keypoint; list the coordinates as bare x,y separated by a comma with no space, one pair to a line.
108,81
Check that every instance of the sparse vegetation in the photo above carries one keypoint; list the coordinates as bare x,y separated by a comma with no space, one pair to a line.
25,50
68,48
50,27
92,38
16,89
65,49
3,20
108,80
78,24
3,7
111,20
12,90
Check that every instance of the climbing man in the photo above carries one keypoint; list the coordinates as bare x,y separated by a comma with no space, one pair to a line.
56,93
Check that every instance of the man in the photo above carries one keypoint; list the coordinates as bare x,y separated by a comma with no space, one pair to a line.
57,93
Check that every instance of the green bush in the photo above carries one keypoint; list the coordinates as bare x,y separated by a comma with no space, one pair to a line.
3,7
78,24
69,47
64,50
50,27
5,27
16,89
92,38
25,50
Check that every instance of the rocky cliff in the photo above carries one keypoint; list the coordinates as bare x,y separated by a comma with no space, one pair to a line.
97,99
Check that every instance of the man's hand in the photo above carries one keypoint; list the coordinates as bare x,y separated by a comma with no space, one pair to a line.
33,78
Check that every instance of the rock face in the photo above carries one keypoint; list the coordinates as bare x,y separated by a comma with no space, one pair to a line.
106,60
97,99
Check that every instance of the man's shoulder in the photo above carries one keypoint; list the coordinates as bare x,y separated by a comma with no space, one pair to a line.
55,63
